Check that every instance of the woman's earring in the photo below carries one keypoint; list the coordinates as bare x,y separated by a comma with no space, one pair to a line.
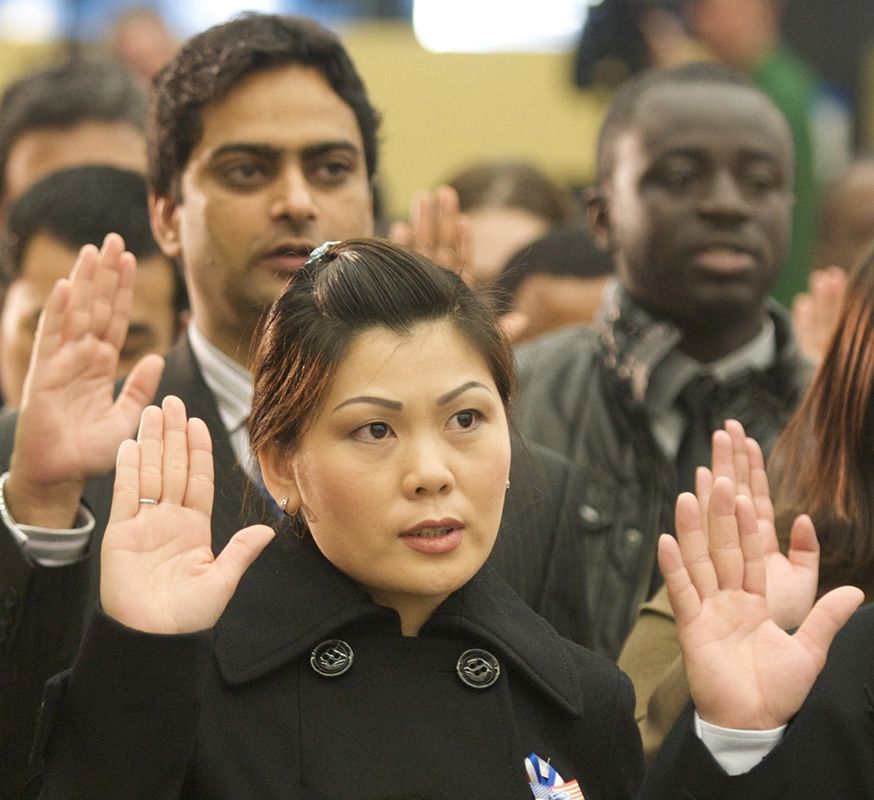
507,486
282,504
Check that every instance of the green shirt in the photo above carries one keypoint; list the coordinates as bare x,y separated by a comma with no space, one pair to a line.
793,87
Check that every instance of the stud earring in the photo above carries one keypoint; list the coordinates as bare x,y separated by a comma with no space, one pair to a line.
507,486
282,504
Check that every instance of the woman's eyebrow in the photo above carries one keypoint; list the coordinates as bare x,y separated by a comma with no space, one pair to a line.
394,405
450,396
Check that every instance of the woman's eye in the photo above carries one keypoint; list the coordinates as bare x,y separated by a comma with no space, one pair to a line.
466,420
372,432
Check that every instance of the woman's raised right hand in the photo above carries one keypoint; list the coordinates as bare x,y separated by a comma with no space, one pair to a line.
158,571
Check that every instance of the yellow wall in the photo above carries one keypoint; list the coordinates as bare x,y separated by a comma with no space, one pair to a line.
444,111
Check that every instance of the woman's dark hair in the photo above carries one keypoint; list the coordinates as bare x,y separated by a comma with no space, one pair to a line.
355,286
824,459
212,63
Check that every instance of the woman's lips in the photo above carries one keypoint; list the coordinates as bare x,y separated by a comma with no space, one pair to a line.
433,540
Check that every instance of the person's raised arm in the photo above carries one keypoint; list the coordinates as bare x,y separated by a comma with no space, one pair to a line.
744,671
158,572
70,424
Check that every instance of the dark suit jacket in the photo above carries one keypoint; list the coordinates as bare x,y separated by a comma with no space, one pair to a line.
242,713
826,752
43,611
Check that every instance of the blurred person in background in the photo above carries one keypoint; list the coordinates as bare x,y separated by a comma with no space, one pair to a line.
693,202
482,215
507,205
46,227
77,113
141,40
846,237
745,34
556,280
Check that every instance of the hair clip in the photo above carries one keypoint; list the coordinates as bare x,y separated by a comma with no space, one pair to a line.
317,254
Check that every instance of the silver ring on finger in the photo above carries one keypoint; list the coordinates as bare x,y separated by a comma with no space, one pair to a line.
148,501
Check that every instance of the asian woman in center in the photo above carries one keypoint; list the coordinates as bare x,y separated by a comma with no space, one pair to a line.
368,649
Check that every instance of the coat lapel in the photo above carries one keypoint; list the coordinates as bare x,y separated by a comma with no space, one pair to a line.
292,598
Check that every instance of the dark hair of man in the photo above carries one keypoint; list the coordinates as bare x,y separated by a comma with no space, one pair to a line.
823,458
79,206
512,184
64,96
622,113
567,252
212,63
356,286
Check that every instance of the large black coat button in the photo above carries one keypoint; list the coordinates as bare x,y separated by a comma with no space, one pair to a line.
331,658
478,669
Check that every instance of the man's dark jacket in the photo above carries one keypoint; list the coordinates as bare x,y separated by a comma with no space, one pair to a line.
43,610
581,394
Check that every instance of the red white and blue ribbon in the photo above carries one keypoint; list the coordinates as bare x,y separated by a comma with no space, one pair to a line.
547,784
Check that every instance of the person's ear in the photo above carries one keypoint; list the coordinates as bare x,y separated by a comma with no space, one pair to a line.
280,481
164,213
598,218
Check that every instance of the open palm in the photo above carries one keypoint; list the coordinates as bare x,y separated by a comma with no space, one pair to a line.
158,572
744,671
70,424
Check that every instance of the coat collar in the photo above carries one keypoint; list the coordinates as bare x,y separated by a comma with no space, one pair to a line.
292,598
634,342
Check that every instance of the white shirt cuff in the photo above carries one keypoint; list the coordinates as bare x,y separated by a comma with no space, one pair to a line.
49,547
737,751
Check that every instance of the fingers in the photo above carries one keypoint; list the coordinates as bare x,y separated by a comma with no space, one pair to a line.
513,324
684,597
101,294
739,456
126,490
50,328
174,451
754,569
105,284
119,306
692,539
78,319
827,290
401,233
199,493
449,228
722,457
815,313
139,387
826,618
437,227
703,489
803,544
149,439
239,553
723,535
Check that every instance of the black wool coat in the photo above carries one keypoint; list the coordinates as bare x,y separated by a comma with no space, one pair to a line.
44,610
243,713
